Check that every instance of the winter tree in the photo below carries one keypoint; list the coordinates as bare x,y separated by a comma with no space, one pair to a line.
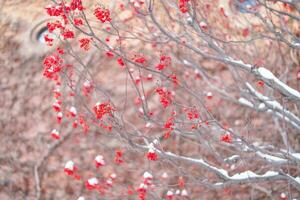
175,99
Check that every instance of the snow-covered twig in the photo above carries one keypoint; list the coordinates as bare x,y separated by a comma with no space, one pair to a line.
238,178
267,76
275,106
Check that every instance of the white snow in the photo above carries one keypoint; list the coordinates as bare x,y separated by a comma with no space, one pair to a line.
297,179
218,184
113,176
186,62
69,165
296,155
148,125
93,181
243,176
285,118
268,76
231,158
287,88
73,110
265,73
296,44
99,159
56,104
184,192
147,175
141,110
245,102
203,25
209,94
151,148
201,162
164,175
55,132
142,185
271,158
239,62
87,84
261,106
109,181
275,107
282,195
250,174
155,141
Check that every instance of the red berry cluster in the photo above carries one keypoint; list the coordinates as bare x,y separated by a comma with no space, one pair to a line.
183,6
102,14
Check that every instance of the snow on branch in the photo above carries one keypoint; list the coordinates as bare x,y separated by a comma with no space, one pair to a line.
238,178
245,102
275,106
267,76
271,159
250,175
